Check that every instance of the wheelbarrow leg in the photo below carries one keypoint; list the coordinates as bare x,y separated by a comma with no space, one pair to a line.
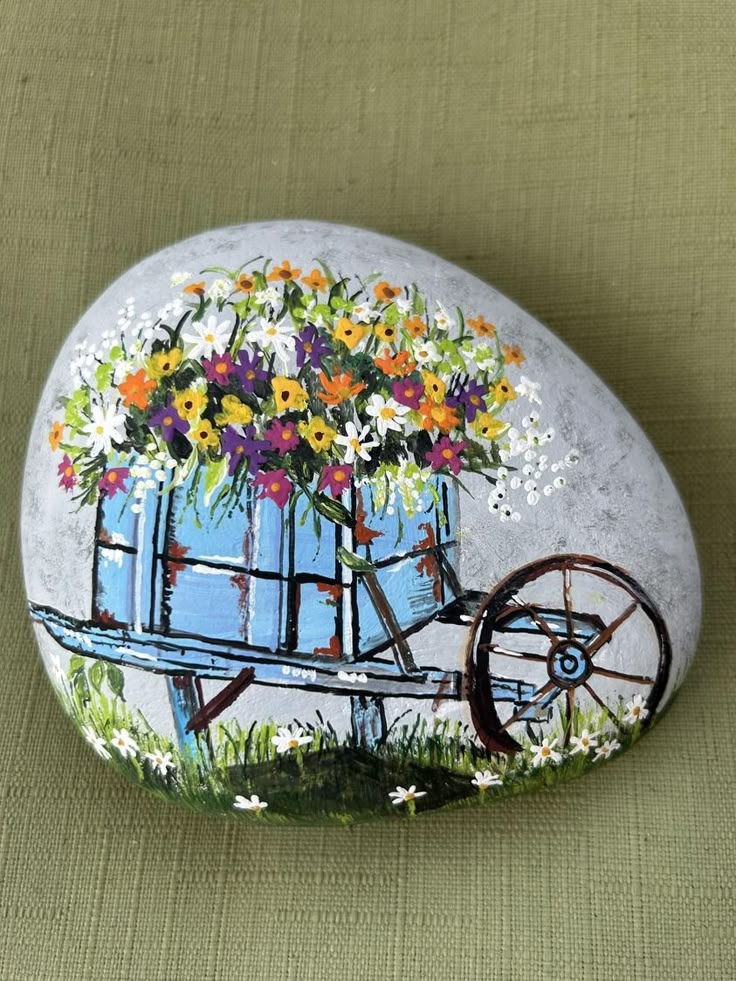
369,720
185,698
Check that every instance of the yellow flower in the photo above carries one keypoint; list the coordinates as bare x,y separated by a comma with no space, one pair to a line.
348,332
434,387
288,393
233,411
204,435
189,403
163,363
318,434
487,425
503,392
386,332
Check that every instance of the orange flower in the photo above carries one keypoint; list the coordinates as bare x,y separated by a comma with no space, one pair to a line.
441,416
245,283
398,364
195,288
481,327
339,388
385,293
512,354
135,389
57,431
315,281
415,326
283,273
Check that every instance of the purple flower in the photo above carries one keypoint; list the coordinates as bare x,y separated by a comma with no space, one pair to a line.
113,480
275,485
471,398
219,368
248,370
240,446
408,392
311,347
336,479
446,454
282,437
169,420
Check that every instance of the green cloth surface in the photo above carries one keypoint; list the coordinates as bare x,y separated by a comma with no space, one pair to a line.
580,156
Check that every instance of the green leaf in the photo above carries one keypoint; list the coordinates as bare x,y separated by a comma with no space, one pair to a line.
390,315
326,271
353,561
333,510
214,475
417,302
81,686
102,376
115,680
116,352
96,675
76,664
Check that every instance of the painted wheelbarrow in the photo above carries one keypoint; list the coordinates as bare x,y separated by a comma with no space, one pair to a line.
255,595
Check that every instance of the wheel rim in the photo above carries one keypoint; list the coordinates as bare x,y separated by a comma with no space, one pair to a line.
567,651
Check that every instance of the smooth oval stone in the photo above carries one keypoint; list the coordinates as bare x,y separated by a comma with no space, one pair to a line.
317,526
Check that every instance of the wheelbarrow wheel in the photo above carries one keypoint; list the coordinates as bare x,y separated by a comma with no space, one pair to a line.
555,640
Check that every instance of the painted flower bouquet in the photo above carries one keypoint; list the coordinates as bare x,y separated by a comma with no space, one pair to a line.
298,383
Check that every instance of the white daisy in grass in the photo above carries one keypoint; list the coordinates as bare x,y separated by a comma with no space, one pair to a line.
636,710
356,443
545,753
402,795
484,779
583,743
205,338
606,749
124,743
287,739
252,803
160,761
96,742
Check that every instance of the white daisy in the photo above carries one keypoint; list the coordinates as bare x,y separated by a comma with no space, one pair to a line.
442,319
584,742
529,390
96,742
606,749
484,779
402,796
160,761
425,352
218,289
252,803
270,295
286,739
276,337
124,743
363,313
636,710
204,338
546,753
107,427
355,442
388,413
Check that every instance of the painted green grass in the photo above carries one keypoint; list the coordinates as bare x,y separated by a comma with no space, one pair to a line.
327,780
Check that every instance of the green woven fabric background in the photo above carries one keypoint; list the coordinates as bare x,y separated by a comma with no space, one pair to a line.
581,156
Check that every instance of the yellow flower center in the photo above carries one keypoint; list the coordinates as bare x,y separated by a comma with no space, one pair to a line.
275,487
221,368
545,751
355,444
447,454
112,477
387,412
250,374
307,347
167,420
209,338
68,472
239,450
100,429
339,475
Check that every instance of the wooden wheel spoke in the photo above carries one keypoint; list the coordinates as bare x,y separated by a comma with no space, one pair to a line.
567,598
603,705
539,620
569,710
639,679
532,701
505,652
605,635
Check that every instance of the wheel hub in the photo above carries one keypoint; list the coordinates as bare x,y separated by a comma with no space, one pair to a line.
568,664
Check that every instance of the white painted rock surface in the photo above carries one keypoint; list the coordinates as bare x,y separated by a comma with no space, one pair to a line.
318,526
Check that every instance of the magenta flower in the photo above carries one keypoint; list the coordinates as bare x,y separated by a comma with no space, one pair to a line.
239,446
336,479
408,392
274,485
282,437
170,422
311,347
218,368
66,473
248,370
446,454
113,480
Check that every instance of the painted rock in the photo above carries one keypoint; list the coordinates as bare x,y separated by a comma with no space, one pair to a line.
317,526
